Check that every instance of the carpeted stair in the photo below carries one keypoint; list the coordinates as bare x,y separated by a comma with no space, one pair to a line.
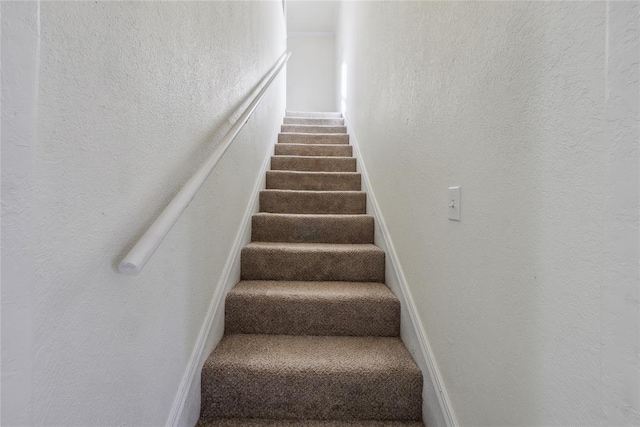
311,331
313,138
313,163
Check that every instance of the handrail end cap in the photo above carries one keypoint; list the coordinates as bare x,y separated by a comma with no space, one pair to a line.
128,268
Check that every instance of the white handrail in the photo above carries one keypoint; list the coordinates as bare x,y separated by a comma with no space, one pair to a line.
138,256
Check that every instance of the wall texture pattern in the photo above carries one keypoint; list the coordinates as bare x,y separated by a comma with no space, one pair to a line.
530,303
129,98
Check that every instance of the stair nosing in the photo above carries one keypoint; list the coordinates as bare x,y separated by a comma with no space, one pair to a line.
327,126
290,144
313,157
315,172
379,291
341,216
308,245
312,133
313,191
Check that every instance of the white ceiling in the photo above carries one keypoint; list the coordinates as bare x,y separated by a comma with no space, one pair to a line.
312,16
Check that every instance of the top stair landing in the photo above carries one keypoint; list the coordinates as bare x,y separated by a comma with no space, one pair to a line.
302,118
313,115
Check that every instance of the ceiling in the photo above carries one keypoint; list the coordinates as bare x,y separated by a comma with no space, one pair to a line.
312,16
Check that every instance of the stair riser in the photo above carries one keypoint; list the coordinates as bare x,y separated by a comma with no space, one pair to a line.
318,164
283,264
313,122
310,395
313,202
314,114
313,129
313,229
341,150
310,138
290,316
282,180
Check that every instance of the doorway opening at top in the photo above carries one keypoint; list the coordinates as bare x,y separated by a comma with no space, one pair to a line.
312,69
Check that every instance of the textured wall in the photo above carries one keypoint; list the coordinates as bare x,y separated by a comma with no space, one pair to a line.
530,302
311,79
131,97
18,135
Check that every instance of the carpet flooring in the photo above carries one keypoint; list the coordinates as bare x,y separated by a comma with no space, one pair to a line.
311,331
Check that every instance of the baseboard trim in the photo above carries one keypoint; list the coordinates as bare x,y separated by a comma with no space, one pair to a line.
194,366
406,296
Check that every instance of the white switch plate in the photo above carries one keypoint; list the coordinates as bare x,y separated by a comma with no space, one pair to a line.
453,203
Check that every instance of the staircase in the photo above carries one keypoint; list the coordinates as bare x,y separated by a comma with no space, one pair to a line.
311,331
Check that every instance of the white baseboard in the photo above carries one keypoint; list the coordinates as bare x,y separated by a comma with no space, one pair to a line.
412,332
189,391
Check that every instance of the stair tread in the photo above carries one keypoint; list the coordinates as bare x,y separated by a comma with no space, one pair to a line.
333,129
273,190
316,290
332,135
314,157
318,145
312,215
313,126
312,138
312,355
314,173
311,377
316,126
293,144
313,181
314,247
255,422
326,150
313,114
314,163
329,121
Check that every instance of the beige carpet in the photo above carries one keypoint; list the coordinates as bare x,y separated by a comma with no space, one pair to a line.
313,163
315,181
313,202
313,129
313,150
313,138
311,331
313,121
300,228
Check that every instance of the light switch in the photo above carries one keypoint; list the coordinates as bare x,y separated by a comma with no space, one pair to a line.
453,202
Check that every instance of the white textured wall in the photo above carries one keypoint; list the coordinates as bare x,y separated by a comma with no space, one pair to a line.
18,136
530,303
311,79
129,97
